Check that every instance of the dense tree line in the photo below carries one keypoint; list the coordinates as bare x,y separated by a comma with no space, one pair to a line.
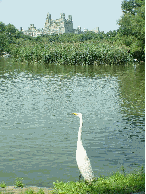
132,27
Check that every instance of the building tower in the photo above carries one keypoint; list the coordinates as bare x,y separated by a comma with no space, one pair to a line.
62,15
48,20
70,18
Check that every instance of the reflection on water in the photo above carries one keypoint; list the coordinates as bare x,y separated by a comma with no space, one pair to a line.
38,135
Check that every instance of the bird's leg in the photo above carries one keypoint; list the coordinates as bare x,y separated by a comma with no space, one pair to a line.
80,177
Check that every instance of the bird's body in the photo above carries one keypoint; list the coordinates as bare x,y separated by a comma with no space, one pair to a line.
82,159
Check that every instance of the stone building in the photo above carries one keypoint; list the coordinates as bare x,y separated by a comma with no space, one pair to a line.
58,26
31,31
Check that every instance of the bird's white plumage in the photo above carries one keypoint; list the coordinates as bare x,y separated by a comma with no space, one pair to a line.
82,159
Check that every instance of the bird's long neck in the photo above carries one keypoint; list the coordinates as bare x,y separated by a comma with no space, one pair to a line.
80,130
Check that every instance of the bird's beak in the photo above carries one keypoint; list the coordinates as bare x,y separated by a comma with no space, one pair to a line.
74,113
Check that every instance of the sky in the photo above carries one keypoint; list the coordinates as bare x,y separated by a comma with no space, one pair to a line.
87,14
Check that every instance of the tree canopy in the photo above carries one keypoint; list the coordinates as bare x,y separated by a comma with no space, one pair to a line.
132,27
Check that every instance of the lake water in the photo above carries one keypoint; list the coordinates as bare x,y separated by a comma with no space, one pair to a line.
38,133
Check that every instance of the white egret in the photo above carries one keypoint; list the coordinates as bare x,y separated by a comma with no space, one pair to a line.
82,159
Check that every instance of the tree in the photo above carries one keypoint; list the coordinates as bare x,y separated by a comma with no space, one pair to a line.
132,27
2,37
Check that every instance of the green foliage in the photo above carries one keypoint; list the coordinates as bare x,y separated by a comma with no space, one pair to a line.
114,47
70,49
18,182
31,191
117,183
70,38
70,54
41,191
2,27
132,27
2,184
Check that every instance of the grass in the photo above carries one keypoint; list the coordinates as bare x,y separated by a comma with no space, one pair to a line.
18,182
120,183
2,184
30,191
117,183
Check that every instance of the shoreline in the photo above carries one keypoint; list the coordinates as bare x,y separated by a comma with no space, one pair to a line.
17,190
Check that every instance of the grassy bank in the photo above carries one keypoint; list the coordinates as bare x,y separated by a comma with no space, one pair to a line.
117,183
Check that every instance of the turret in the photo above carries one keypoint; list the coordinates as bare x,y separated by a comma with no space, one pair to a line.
48,19
32,28
62,15
70,18
79,28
